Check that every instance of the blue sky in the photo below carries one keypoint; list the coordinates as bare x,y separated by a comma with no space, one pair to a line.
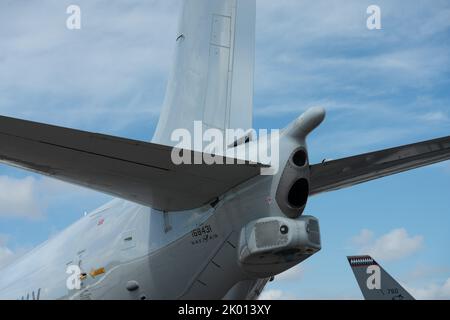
381,88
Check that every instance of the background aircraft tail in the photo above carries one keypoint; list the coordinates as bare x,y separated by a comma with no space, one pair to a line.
375,283
212,77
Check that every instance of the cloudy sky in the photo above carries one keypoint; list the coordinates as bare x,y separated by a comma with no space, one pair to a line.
381,88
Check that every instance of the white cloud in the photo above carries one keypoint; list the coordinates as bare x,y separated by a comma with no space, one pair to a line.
432,292
114,68
49,187
295,273
6,255
112,73
319,50
425,271
18,198
363,238
271,295
394,245
276,294
437,116
29,197
428,281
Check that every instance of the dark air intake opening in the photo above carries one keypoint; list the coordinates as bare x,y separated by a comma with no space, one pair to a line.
298,194
299,158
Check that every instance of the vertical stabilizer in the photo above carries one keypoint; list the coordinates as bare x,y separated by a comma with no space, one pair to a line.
212,77
375,283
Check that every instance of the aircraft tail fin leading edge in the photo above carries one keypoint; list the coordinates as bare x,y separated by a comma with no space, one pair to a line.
212,77
375,283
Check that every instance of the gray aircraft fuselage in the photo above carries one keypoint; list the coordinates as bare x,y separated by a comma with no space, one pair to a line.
176,255
242,227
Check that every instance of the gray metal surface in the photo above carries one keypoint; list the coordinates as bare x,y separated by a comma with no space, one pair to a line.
342,173
133,170
375,283
179,253
212,77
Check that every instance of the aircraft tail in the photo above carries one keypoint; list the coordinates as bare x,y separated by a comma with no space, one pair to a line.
375,283
212,77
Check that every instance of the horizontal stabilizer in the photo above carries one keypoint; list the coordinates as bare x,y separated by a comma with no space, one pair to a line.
133,170
342,173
